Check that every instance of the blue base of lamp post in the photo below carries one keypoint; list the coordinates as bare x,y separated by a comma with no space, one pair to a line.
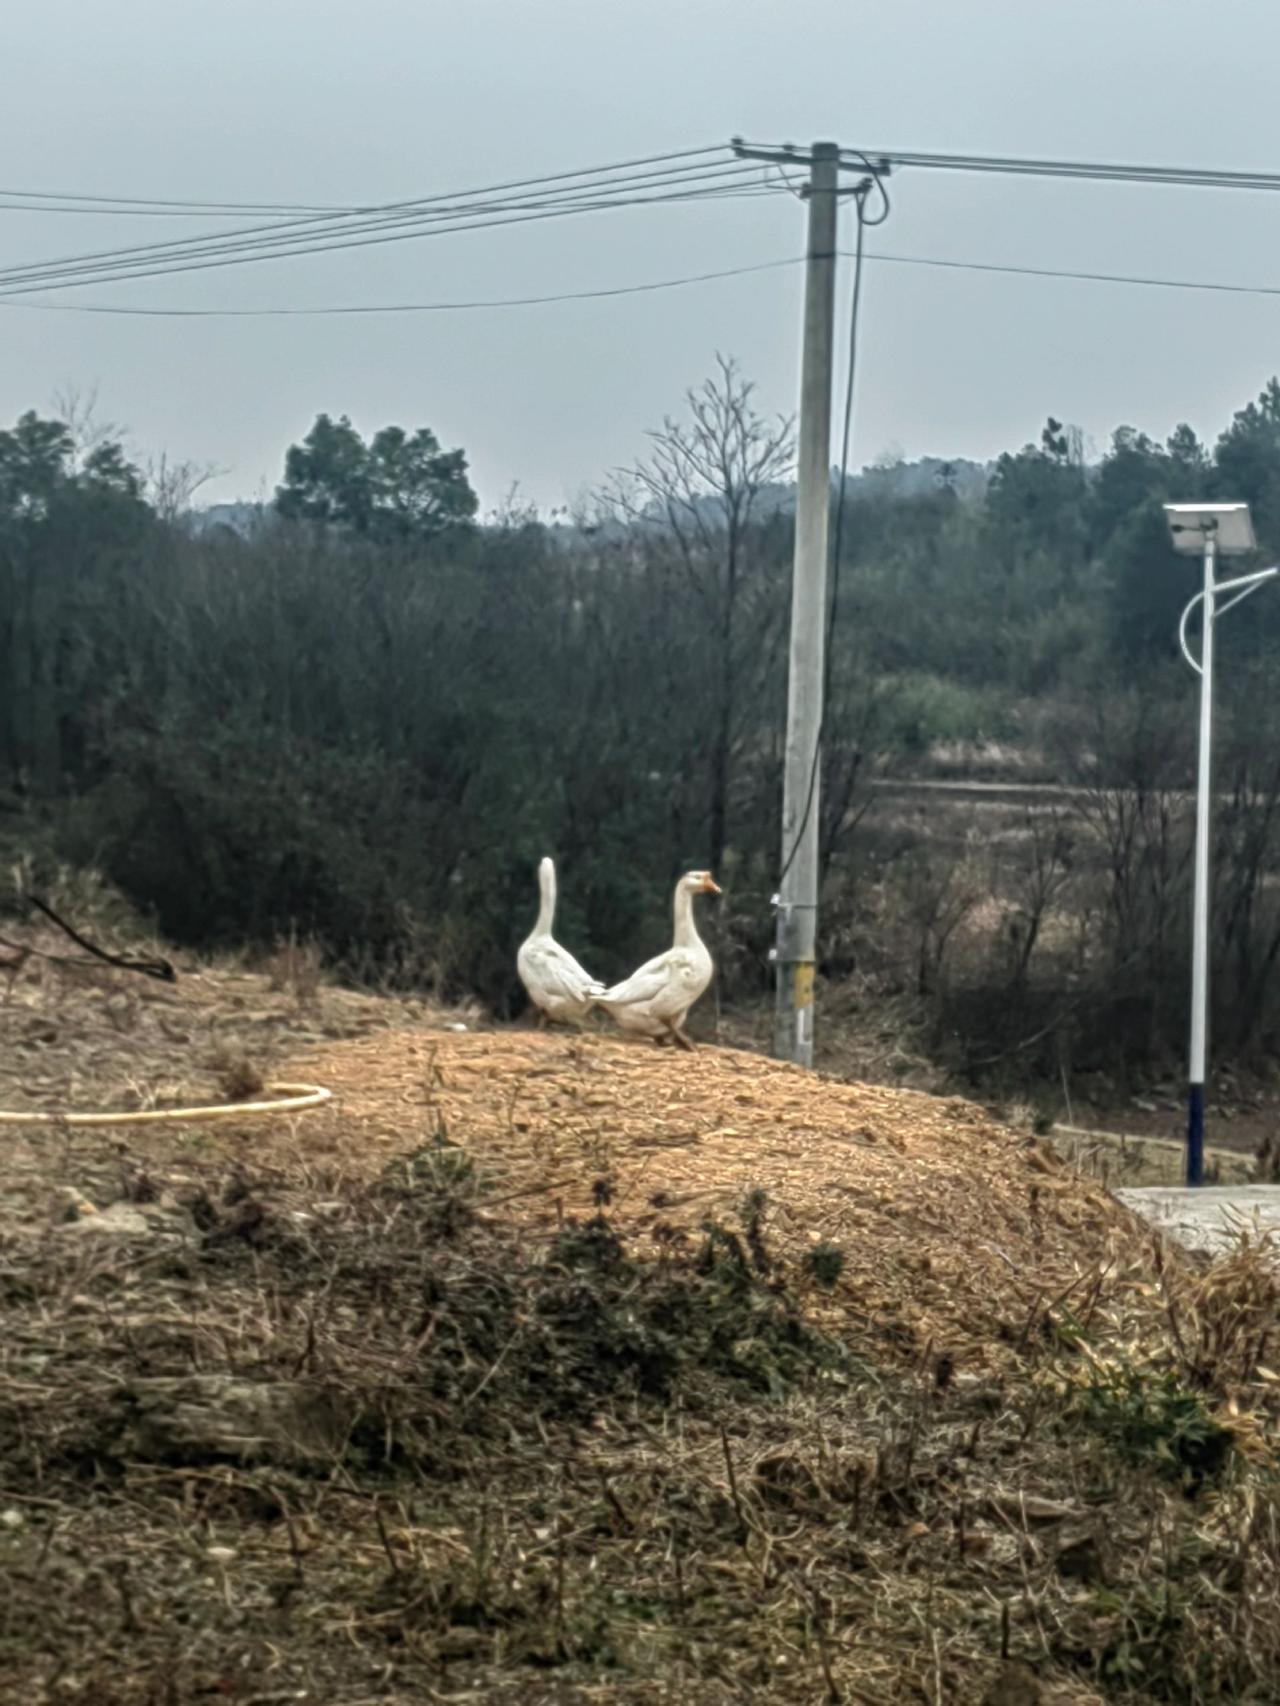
1195,1134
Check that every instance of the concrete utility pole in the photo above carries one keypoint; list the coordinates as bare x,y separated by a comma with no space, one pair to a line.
797,899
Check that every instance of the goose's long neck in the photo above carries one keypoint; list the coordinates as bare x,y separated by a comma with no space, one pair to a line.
686,929
547,889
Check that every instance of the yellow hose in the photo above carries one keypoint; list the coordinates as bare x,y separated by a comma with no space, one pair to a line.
290,1099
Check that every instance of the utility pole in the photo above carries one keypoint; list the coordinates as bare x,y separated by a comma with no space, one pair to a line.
797,899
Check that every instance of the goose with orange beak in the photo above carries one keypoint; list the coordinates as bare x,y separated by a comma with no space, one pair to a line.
655,1000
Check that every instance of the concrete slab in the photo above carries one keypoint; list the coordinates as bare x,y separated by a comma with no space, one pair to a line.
1211,1217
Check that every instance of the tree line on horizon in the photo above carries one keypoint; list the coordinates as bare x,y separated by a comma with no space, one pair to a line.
366,722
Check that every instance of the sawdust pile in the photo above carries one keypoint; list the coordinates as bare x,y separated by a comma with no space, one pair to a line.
945,1223
951,1233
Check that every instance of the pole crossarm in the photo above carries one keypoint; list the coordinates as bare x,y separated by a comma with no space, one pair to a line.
788,155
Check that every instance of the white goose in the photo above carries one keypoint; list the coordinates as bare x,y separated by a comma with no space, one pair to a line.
554,981
656,999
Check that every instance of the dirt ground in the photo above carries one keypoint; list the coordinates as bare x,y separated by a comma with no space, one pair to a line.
559,1368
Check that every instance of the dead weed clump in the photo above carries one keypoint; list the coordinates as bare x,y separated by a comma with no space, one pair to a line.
296,968
239,1077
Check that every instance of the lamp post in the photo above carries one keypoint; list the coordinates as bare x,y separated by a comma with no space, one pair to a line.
1209,531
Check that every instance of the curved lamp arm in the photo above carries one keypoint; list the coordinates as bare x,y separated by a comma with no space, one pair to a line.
1182,632
1242,586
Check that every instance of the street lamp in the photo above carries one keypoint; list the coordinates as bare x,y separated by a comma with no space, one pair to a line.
1208,531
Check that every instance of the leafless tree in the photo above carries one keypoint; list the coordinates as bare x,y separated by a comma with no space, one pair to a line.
171,486
701,488
78,412
937,898
1038,887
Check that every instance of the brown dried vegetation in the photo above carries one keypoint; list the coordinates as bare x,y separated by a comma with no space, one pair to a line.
557,1370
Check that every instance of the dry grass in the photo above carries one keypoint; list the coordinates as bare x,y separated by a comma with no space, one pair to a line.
297,968
557,1370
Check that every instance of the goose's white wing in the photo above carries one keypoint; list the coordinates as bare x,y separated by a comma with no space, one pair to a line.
556,972
667,971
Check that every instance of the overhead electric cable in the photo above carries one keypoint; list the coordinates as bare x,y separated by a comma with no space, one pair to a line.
360,207
1096,171
211,263
408,307
625,176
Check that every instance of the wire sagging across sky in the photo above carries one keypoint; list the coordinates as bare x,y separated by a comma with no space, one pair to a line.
664,178
75,201
47,201
648,287
1172,177
1092,171
710,173
478,304
1184,177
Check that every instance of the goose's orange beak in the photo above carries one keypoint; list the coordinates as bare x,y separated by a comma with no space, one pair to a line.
710,885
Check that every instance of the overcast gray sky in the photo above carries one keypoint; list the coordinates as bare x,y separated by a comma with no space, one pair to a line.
321,100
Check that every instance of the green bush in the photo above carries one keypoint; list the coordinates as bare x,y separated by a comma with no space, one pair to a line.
1155,1422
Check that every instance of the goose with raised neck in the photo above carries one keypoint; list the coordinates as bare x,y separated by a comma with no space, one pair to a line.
558,987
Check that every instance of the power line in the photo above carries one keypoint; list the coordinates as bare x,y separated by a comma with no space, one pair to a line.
1149,280
262,207
632,174
405,307
394,214
84,201
684,175
376,218
53,201
690,174
486,222
1096,171
178,211
482,303
209,254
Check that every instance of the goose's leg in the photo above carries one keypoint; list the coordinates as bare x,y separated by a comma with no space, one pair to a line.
678,1037
542,1020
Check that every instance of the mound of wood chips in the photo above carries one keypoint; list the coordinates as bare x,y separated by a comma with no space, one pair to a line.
958,1237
